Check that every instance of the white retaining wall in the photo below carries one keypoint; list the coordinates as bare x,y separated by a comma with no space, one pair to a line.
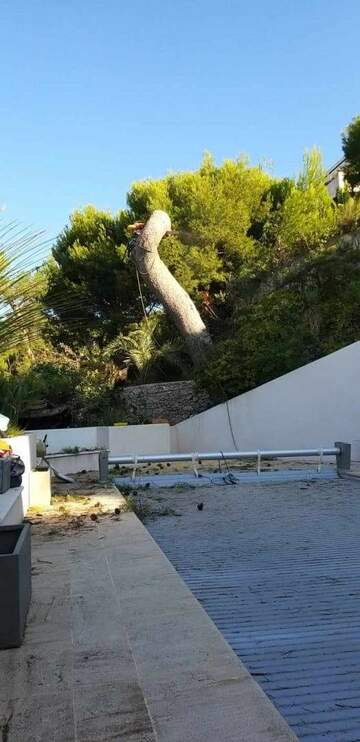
61,438
15,502
73,463
127,439
310,407
135,439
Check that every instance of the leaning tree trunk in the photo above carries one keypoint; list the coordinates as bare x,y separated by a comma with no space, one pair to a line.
175,299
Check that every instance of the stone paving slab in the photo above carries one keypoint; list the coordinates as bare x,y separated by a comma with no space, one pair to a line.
117,648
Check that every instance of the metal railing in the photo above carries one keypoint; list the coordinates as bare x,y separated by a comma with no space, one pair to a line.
342,452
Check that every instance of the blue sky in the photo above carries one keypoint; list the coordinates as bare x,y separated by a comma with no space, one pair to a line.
95,95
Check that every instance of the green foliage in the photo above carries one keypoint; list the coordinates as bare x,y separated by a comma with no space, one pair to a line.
89,262
269,340
351,149
195,267
21,315
149,351
80,385
316,312
273,266
27,388
230,222
308,213
212,209
348,214
288,288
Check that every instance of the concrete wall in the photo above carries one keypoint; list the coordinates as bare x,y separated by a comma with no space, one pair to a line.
129,439
335,180
61,438
40,488
310,407
15,502
71,463
134,439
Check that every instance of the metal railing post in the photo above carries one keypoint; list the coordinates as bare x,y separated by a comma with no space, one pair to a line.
343,458
103,466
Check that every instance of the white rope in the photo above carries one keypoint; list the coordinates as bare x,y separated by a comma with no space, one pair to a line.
258,464
321,454
194,460
134,467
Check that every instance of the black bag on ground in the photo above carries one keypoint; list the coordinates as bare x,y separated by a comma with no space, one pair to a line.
16,471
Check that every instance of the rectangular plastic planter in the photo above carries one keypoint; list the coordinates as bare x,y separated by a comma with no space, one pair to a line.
15,583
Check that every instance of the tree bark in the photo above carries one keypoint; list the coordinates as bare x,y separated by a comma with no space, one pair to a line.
181,309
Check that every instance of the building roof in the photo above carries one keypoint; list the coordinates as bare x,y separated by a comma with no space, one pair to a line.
337,166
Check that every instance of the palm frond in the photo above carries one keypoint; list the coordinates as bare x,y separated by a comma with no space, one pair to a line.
22,314
20,311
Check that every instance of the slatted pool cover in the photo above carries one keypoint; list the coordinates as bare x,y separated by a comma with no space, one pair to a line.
277,568
205,477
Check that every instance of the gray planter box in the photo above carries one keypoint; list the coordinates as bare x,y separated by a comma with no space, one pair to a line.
15,583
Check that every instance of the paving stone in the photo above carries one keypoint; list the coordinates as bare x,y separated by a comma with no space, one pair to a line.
223,712
111,711
33,670
44,718
114,640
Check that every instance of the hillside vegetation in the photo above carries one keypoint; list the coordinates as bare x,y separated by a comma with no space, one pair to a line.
272,265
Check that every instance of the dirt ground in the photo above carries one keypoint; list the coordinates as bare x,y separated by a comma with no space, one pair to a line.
77,506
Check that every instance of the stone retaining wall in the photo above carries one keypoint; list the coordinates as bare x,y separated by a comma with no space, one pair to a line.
172,402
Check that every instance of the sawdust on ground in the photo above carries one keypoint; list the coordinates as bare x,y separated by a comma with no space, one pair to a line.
77,506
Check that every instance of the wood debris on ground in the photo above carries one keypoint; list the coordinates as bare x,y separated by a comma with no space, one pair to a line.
76,507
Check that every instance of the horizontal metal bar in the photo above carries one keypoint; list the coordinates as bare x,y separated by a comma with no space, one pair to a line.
72,453
221,455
